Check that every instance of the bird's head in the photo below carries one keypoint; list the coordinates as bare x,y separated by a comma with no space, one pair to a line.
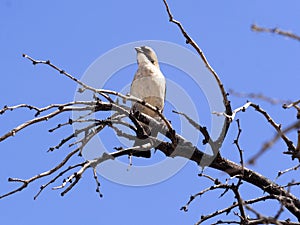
146,54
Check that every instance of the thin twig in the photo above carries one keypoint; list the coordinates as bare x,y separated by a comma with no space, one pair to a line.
47,173
200,128
236,142
276,126
234,112
275,30
280,173
63,108
273,101
55,178
192,197
228,209
267,145
293,104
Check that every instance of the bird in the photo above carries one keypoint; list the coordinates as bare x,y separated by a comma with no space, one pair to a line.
149,85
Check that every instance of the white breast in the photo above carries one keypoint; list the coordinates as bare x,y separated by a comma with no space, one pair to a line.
149,85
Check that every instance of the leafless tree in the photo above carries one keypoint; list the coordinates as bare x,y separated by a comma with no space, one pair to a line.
176,146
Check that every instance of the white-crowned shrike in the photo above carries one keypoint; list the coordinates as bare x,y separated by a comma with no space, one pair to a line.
148,84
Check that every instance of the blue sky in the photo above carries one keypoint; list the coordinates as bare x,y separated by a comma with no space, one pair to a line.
74,34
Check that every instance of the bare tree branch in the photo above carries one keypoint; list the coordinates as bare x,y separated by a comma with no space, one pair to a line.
293,104
190,41
273,101
275,30
71,106
280,173
277,127
267,145
174,146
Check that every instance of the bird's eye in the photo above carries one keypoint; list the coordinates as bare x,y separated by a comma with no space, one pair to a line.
152,61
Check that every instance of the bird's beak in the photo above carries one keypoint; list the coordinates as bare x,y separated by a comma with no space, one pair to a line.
138,49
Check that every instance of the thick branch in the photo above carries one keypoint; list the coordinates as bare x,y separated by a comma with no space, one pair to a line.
291,202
